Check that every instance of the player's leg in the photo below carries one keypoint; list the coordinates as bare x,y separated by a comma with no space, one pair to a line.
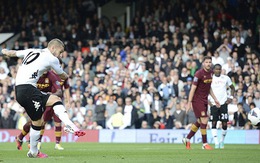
203,127
224,120
33,101
195,126
58,133
47,116
214,116
39,145
24,132
203,130
61,112
35,133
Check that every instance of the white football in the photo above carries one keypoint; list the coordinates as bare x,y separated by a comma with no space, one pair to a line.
254,116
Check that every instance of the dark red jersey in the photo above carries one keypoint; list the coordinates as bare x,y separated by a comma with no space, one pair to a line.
202,79
49,82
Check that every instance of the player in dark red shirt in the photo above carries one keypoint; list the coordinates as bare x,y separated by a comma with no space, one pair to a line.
49,82
198,100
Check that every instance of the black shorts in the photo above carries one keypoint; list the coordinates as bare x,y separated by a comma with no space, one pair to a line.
32,99
219,114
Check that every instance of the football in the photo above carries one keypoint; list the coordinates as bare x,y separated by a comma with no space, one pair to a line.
254,116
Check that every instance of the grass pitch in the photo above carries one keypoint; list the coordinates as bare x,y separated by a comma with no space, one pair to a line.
136,153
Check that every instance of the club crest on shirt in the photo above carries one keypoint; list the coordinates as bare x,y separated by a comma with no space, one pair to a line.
47,80
195,79
207,80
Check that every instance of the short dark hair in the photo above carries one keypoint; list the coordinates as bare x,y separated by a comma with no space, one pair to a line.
217,65
252,104
206,57
241,104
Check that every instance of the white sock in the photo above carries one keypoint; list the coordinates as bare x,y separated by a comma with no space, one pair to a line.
61,112
224,133
214,132
34,139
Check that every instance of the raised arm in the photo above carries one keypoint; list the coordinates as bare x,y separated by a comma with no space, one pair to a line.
9,53
56,66
64,76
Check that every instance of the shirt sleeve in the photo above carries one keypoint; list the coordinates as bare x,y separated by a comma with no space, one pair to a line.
229,82
22,53
196,78
56,66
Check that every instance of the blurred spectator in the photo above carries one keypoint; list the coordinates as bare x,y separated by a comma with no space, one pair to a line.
157,103
145,125
166,90
111,107
3,64
7,118
147,100
95,126
189,119
187,86
139,105
239,120
178,125
257,99
155,117
22,120
179,114
168,118
100,110
116,120
216,59
130,115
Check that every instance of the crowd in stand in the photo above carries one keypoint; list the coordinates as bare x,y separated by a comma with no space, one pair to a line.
140,76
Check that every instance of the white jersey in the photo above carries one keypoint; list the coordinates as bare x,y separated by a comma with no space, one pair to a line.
219,86
35,63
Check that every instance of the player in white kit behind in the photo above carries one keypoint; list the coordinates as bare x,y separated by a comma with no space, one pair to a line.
220,84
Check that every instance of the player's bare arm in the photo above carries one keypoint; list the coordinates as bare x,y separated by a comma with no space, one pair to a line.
230,98
214,97
67,96
192,91
64,76
209,102
9,53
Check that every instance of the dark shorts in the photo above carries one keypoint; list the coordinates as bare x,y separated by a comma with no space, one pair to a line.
32,99
200,109
49,113
219,114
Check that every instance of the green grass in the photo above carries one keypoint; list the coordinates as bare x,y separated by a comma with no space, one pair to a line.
136,153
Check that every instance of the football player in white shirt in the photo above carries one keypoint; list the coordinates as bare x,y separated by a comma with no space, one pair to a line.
35,63
219,85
